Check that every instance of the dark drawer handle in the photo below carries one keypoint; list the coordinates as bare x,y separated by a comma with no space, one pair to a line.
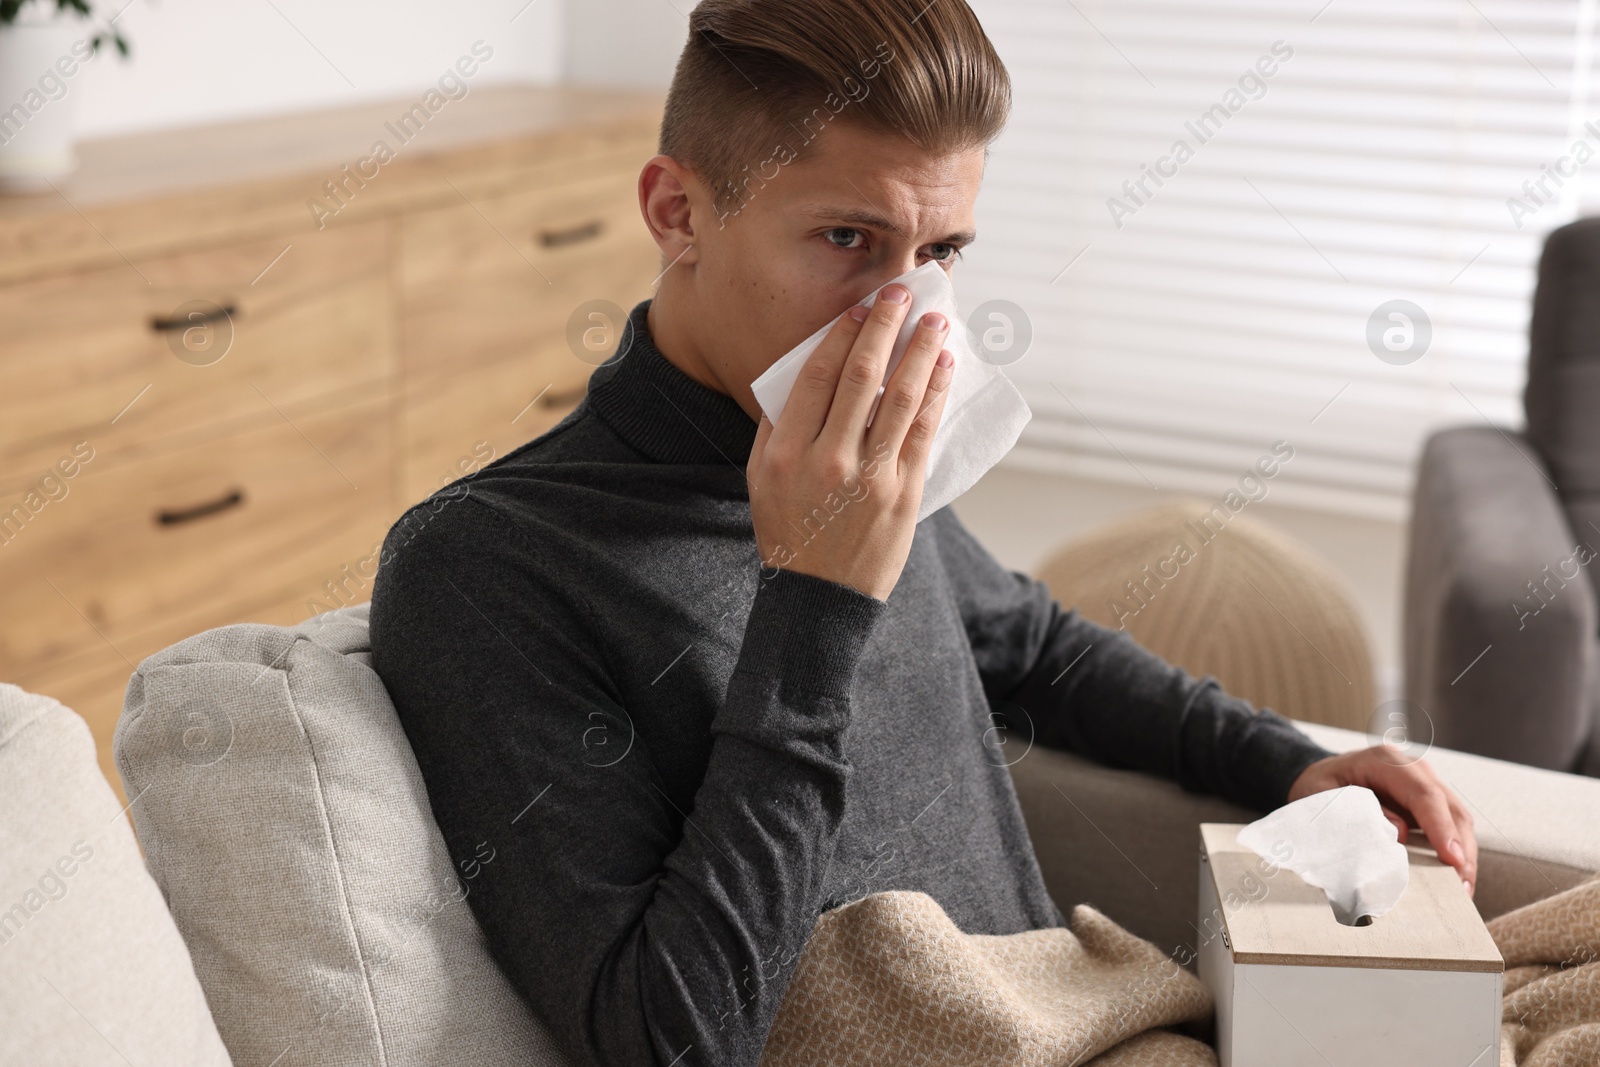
173,516
161,324
561,400
576,235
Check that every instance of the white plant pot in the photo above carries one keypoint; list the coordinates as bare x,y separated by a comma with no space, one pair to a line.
40,81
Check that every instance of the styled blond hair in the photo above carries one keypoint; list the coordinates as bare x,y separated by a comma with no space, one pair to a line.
759,80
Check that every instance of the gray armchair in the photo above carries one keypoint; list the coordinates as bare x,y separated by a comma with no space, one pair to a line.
1501,650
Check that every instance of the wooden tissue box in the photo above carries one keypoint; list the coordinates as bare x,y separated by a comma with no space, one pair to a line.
1416,987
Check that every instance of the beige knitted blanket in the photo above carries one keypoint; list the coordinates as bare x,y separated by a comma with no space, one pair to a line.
1550,1013
890,980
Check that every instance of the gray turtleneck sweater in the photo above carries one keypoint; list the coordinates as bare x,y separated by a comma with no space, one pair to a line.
656,764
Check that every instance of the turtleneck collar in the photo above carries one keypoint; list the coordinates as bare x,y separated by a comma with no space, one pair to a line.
663,412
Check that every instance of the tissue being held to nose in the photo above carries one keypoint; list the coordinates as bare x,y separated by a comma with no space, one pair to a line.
1339,841
983,415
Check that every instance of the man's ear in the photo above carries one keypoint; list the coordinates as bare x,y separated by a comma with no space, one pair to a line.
671,199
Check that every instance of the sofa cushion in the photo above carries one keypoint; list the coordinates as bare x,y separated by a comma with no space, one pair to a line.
284,816
94,971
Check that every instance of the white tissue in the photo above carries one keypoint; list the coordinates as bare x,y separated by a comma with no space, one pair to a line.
983,415
1339,841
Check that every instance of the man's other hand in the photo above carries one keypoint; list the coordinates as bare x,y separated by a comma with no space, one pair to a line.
1411,794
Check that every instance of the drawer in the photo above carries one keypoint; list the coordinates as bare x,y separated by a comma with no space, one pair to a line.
462,422
93,356
94,683
171,537
505,273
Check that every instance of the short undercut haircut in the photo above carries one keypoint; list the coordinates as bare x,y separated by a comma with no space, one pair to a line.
759,80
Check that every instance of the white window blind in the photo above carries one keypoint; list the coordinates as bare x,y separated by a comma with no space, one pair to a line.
1181,327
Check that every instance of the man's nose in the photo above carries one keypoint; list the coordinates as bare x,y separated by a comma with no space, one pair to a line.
889,272
902,265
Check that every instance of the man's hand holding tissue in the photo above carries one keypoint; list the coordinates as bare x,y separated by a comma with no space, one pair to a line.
1412,795
831,496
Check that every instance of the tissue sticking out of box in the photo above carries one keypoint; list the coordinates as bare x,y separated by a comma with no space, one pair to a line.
1339,841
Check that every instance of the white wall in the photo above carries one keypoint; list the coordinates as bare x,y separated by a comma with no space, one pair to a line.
196,61
632,43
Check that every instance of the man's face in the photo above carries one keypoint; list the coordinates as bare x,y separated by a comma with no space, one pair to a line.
857,208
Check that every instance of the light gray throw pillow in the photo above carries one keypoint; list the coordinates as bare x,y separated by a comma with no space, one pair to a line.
284,817
92,970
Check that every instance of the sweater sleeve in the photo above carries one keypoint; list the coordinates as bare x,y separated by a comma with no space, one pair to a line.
641,931
1070,683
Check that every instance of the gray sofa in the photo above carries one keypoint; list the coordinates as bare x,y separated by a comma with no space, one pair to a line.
1500,633
293,872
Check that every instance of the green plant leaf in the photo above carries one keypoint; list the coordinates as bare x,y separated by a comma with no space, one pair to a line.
10,9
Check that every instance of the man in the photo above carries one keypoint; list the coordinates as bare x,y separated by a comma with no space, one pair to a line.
679,679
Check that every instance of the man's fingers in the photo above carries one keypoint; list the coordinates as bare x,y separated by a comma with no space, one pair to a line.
1428,800
1469,839
864,367
903,397
918,441
1402,830
763,435
806,410
1412,795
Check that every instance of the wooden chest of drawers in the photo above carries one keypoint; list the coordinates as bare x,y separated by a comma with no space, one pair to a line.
213,403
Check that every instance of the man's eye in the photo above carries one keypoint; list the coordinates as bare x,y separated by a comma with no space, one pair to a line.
848,234
950,252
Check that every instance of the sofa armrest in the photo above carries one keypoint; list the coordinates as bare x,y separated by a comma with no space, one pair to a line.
1494,667
1129,843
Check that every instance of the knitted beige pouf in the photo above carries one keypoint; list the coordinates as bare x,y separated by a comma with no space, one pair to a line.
1222,594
